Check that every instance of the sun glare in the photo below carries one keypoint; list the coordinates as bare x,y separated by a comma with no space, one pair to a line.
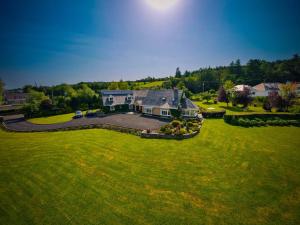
161,5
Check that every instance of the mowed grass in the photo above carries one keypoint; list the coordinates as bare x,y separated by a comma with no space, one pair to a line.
52,119
225,175
210,106
150,85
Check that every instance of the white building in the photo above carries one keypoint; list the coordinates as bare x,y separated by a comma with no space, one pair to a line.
264,89
243,87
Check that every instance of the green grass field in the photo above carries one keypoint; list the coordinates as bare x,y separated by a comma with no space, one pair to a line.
52,119
225,175
147,85
210,106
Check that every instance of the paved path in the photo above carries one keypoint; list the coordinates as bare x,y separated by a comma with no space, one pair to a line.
134,121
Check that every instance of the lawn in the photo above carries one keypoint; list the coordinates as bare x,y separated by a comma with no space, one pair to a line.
56,119
210,106
150,85
52,119
225,175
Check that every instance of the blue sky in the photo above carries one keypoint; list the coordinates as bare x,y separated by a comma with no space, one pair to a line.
51,42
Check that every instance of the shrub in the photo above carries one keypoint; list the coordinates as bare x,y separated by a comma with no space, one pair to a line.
194,129
190,124
182,131
176,123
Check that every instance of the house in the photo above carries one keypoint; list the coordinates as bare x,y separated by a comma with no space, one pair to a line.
264,89
243,87
149,102
297,84
15,97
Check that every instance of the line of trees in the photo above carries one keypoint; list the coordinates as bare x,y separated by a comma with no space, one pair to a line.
254,72
62,99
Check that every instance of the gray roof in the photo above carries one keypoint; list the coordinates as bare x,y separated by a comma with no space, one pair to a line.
164,98
188,104
168,98
116,92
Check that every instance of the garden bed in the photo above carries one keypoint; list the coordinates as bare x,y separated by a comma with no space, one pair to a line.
177,129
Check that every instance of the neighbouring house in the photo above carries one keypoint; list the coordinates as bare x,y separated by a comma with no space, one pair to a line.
264,89
149,102
243,87
15,97
298,88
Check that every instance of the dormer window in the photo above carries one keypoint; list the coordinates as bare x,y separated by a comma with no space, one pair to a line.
129,97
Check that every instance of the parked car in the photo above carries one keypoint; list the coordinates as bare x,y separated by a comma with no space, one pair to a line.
78,114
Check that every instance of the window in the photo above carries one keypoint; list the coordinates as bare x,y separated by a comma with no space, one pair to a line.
165,112
148,110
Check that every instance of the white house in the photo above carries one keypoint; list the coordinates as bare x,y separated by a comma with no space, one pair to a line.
243,87
263,89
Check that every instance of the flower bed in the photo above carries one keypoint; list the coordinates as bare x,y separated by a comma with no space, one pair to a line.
176,130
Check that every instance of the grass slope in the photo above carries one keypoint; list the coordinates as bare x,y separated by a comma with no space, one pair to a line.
225,175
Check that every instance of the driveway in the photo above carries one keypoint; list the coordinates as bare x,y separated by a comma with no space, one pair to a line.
134,121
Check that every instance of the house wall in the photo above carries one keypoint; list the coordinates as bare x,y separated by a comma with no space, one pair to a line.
156,111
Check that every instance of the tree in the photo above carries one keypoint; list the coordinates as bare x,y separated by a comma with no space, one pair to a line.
243,97
267,105
228,85
31,108
1,90
181,85
288,94
275,100
222,95
206,96
113,86
178,73
123,85
46,105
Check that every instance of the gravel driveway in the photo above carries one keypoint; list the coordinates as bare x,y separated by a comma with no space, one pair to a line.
135,121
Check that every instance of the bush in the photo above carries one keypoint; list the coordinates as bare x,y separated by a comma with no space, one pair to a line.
243,120
176,123
194,129
215,114
182,131
168,131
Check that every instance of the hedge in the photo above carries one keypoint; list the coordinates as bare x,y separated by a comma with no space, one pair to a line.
214,114
248,120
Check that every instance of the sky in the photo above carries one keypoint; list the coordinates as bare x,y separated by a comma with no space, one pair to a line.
69,41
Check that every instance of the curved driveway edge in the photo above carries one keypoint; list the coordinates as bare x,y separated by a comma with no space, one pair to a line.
129,121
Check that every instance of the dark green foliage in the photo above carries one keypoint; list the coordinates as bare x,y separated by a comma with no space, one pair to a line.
175,113
263,120
266,105
214,114
176,123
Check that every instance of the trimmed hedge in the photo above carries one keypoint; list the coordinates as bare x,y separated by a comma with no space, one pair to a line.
214,114
250,120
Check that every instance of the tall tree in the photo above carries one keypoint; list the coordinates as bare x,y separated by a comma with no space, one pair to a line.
1,91
178,73
222,95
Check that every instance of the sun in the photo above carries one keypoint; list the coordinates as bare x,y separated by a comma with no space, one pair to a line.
162,5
